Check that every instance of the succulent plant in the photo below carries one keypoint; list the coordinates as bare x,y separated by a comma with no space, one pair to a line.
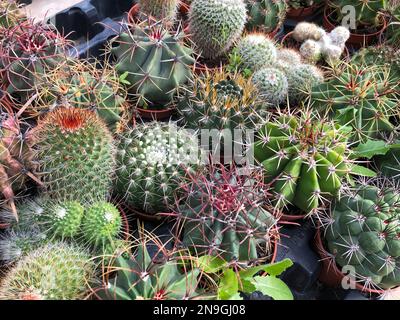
306,159
289,56
16,164
101,224
366,12
154,62
152,159
215,25
256,51
363,232
308,31
56,271
360,97
266,15
222,103
80,84
160,9
28,52
222,212
74,153
272,85
139,277
10,14
311,51
388,164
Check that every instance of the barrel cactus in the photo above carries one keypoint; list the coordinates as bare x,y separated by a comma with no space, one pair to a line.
266,15
222,102
56,271
223,214
10,14
80,84
215,25
101,224
360,97
306,159
139,277
364,233
74,152
256,51
160,9
154,62
152,159
272,85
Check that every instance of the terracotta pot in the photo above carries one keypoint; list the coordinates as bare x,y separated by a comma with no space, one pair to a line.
291,218
330,273
302,13
357,40
155,114
200,68
184,8
133,13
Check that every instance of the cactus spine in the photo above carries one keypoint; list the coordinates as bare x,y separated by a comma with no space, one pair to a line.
160,9
266,15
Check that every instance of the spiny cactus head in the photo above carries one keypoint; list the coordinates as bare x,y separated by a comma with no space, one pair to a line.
256,50
10,14
55,271
364,232
101,224
306,30
272,85
311,51
164,10
74,151
339,36
265,15
223,212
289,56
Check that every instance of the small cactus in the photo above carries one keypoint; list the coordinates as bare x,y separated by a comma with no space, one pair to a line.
266,15
311,51
160,9
289,56
272,85
306,30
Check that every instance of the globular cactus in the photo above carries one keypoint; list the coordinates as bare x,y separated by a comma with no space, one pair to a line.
74,152
388,164
214,25
305,158
55,271
139,277
222,102
266,15
311,51
154,62
363,233
152,159
301,79
10,14
289,56
164,10
80,84
339,36
306,30
101,224
222,213
272,85
256,51
29,51
360,97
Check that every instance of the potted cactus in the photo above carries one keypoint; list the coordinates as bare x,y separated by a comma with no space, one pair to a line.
362,234
370,21
300,10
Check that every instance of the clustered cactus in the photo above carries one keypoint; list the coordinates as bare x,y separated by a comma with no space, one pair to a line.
266,15
363,232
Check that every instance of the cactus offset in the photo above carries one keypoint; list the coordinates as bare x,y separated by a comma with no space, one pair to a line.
74,152
155,62
152,159
272,85
266,15
215,25
363,232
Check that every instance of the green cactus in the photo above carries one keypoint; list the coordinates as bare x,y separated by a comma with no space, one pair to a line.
215,25
56,271
266,15
272,85
306,159
363,232
360,97
222,102
10,14
289,56
154,62
74,152
223,215
160,9
389,164
140,278
256,51
152,159
101,224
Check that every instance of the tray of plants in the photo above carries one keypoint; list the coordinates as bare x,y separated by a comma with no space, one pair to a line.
200,150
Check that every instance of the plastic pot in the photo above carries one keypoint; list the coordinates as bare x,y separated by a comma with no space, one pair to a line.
357,40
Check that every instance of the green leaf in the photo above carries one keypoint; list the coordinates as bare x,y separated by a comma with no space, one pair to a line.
210,264
228,285
371,148
274,269
123,77
363,171
236,297
273,287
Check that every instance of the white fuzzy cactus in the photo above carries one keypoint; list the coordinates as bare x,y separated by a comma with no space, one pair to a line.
339,36
311,50
305,30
